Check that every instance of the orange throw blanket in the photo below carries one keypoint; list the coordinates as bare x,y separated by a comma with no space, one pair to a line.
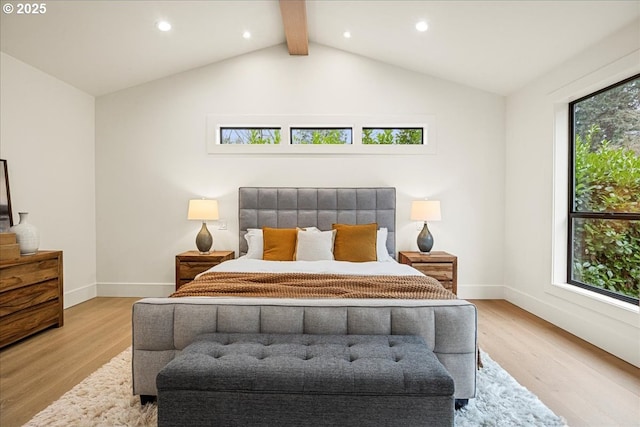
313,285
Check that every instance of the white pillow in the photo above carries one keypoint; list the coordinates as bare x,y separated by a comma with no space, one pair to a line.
315,245
381,245
315,229
255,243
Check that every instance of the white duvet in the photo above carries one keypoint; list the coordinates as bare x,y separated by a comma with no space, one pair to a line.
246,265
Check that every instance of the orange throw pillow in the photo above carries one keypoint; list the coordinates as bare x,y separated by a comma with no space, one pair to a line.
355,243
279,243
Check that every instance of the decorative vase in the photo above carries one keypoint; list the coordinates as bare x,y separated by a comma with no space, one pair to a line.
425,240
27,235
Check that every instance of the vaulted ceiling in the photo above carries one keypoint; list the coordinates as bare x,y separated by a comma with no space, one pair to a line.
497,46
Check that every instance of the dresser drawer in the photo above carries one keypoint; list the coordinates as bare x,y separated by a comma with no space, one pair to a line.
28,296
29,321
17,276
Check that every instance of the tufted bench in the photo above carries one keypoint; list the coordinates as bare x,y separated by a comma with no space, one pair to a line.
300,379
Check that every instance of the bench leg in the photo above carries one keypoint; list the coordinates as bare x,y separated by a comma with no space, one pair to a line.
145,398
461,403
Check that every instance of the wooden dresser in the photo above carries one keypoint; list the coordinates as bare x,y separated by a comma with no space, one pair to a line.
31,295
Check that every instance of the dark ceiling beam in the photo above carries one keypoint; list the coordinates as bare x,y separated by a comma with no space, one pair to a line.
294,18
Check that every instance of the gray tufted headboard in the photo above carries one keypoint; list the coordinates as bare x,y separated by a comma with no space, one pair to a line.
288,207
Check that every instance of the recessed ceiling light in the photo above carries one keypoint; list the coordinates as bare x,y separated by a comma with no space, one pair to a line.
246,35
422,26
163,26
347,34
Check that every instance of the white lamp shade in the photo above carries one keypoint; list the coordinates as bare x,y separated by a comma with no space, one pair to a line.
425,210
203,210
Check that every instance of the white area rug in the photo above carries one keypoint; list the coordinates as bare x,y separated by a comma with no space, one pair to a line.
104,399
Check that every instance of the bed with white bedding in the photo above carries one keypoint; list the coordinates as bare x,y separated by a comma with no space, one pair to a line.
372,268
162,327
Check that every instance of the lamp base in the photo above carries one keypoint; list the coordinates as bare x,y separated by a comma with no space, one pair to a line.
425,240
204,240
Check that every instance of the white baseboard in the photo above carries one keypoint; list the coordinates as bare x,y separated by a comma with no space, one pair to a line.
480,291
604,332
77,296
136,290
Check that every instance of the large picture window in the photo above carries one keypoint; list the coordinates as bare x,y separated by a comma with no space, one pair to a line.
604,191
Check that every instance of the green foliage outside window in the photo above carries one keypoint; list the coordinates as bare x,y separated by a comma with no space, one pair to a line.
616,115
605,210
250,136
258,137
320,136
606,252
606,179
387,136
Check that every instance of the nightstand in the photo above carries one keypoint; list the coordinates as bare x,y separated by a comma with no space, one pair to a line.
440,265
191,263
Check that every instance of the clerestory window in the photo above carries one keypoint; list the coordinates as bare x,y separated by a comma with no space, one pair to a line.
393,136
321,136
249,135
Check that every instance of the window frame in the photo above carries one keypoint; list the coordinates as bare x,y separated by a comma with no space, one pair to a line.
321,128
356,122
249,128
572,214
399,128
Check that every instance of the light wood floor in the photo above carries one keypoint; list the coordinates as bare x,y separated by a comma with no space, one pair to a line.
578,381
38,370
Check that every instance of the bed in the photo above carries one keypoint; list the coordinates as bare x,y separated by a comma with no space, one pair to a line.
162,327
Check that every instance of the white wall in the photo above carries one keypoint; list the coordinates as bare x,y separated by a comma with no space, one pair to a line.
47,138
536,200
151,158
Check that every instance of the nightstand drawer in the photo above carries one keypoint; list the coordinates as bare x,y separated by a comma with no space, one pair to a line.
440,271
189,270
190,264
447,284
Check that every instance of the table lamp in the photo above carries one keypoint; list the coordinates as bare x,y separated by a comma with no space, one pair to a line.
425,210
203,210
